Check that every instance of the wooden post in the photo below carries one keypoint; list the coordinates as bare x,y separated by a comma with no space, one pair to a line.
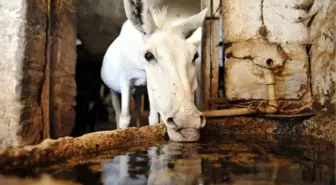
205,63
33,97
214,59
62,60
45,94
210,65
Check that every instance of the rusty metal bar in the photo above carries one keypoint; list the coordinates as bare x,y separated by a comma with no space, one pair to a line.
214,90
205,63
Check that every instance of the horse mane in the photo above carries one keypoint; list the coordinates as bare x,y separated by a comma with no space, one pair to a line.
161,18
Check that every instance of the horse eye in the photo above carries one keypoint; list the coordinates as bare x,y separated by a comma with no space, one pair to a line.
149,56
195,56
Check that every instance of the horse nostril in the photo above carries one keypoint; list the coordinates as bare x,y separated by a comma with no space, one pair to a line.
203,121
171,123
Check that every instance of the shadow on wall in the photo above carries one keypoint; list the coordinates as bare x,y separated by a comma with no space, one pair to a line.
92,95
98,26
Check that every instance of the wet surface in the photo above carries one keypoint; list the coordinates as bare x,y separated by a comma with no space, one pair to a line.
239,160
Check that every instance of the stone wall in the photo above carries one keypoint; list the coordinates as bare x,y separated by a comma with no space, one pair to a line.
270,31
322,51
12,46
299,38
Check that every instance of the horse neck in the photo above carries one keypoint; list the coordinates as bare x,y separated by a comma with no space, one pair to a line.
131,44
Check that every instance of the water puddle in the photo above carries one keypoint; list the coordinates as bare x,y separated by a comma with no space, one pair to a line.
236,160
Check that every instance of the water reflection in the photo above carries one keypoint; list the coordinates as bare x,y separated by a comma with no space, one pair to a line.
238,163
166,165
228,160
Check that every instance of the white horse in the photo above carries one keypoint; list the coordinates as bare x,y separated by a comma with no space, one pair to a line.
160,54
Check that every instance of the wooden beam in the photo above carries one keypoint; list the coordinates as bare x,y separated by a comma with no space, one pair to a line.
45,94
205,63
214,58
62,56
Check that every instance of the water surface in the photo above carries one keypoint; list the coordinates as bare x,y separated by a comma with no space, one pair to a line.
238,160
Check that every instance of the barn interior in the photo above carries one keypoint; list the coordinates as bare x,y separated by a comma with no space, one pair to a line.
97,27
270,113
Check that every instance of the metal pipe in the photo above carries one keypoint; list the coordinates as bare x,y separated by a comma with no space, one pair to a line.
272,105
228,112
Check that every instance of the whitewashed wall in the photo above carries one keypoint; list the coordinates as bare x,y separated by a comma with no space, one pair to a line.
260,30
12,43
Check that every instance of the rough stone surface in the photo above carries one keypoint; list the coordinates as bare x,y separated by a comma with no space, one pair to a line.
253,125
323,56
321,126
259,36
305,31
234,14
281,20
265,18
322,35
249,58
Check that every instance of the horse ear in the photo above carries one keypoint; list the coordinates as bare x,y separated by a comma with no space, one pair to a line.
196,37
191,24
138,12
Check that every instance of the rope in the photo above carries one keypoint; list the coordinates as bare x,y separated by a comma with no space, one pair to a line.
252,106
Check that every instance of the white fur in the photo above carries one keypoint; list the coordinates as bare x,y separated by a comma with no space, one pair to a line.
122,70
170,77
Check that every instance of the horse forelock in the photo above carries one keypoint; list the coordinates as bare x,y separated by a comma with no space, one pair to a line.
162,19
160,16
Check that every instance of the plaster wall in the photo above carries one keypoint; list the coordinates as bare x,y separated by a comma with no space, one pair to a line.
12,46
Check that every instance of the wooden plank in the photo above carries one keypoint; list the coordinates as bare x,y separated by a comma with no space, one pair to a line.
33,63
45,94
205,63
62,53
214,58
